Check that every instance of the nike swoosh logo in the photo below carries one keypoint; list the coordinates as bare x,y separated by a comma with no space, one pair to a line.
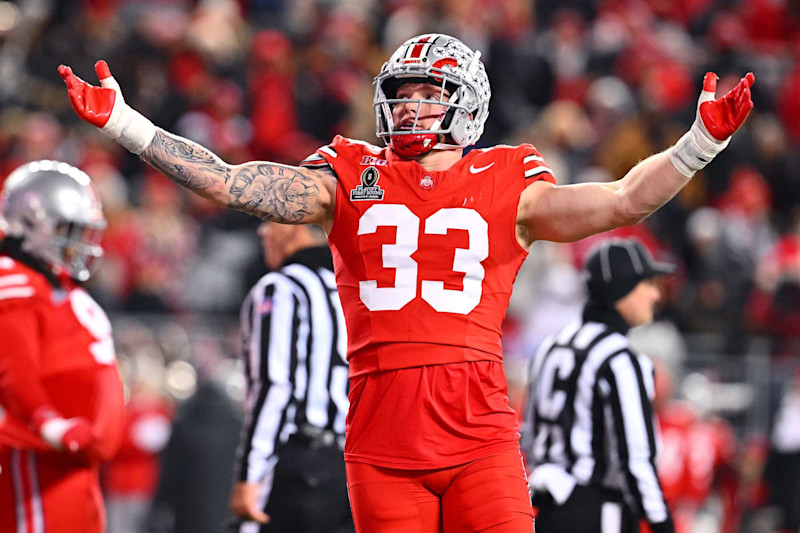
474,170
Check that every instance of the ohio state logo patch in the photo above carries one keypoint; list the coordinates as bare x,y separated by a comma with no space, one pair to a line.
369,188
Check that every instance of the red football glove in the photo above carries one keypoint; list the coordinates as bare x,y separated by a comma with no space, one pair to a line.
105,108
92,104
715,121
71,434
723,116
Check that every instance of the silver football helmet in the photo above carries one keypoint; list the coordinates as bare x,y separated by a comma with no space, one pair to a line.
56,212
441,60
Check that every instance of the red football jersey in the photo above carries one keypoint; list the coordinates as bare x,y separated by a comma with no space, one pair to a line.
56,350
425,261
692,452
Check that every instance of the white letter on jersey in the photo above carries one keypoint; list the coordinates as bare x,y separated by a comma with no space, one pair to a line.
560,362
551,403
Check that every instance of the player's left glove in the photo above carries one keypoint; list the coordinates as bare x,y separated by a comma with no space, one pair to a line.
105,108
71,434
716,120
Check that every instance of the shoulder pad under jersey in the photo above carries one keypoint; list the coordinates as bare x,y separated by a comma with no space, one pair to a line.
531,162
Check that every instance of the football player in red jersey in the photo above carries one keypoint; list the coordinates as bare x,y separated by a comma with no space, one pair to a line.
426,245
696,460
59,386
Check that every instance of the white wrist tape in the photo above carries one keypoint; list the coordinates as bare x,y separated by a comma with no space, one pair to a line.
695,150
129,128
697,147
126,125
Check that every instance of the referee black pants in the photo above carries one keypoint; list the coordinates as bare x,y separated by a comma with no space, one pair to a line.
588,510
309,491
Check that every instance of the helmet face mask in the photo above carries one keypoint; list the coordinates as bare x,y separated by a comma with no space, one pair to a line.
443,61
56,213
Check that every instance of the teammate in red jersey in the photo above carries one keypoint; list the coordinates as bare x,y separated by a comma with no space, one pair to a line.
426,245
695,462
59,385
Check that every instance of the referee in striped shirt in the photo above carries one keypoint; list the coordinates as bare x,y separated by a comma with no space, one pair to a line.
589,431
290,463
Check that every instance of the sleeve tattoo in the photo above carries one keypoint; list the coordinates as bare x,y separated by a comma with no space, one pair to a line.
275,192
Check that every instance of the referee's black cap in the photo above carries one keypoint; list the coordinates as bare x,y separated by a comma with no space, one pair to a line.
616,266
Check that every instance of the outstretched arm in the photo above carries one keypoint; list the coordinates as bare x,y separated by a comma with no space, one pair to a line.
282,193
568,213
572,212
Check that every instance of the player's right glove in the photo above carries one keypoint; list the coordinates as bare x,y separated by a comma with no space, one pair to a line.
72,434
105,108
715,121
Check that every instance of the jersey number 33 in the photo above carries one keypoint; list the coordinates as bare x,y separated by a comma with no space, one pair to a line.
397,256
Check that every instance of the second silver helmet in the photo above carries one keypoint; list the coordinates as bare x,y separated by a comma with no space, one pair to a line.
53,208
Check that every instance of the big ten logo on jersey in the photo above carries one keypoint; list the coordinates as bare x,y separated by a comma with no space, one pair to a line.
371,160
397,256
92,317
369,188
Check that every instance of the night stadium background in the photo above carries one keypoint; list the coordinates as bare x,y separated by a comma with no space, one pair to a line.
596,86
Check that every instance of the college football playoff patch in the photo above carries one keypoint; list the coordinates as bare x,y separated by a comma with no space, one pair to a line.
369,188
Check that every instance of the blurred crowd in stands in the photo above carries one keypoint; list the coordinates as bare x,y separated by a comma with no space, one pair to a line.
595,85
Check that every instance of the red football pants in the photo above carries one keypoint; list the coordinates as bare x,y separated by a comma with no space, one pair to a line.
489,494
48,493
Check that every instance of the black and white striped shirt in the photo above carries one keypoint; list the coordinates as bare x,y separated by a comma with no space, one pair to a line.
294,345
589,418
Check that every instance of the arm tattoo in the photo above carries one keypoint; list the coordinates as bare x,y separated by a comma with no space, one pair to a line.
276,192
185,163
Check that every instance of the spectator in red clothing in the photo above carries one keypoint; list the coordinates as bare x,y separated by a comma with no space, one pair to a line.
219,122
770,24
166,247
37,136
788,105
696,455
668,87
271,85
745,236
774,306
